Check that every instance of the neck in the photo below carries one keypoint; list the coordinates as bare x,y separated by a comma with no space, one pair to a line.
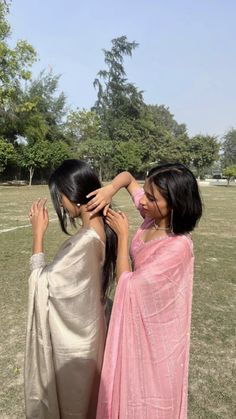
162,224
85,217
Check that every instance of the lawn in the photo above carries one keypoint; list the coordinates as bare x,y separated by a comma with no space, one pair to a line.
212,363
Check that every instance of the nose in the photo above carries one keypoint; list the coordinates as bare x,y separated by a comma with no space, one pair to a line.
142,200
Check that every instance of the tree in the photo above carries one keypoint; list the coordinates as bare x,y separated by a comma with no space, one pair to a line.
15,66
41,94
229,148
36,155
14,63
161,117
58,151
204,151
7,154
116,98
230,172
127,156
98,153
83,125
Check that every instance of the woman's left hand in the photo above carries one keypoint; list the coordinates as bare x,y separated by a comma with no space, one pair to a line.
118,221
38,216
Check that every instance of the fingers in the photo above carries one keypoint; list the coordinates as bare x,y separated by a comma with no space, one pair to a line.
111,214
97,209
92,204
37,206
106,208
42,203
92,193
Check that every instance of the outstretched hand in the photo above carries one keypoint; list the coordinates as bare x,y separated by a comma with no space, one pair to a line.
101,199
38,216
118,221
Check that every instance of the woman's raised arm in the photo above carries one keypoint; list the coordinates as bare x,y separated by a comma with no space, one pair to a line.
102,197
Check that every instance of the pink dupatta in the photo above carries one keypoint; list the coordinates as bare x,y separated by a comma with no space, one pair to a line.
145,368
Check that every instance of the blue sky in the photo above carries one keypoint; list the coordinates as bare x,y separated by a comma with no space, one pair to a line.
186,57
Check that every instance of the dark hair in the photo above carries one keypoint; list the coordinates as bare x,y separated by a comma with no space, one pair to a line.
179,187
75,179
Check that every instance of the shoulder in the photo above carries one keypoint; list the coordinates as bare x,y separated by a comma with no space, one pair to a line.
85,241
87,237
83,248
183,247
177,247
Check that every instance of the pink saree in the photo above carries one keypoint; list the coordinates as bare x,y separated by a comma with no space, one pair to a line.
145,368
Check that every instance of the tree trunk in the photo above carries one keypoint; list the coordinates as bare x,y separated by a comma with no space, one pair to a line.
31,170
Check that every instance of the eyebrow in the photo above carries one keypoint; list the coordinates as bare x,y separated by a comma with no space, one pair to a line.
148,193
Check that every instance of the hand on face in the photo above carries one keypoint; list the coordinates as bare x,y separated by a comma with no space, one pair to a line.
102,199
38,216
118,221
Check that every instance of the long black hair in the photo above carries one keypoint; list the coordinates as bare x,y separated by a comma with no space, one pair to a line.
179,187
76,179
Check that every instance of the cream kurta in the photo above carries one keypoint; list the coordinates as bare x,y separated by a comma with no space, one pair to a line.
65,331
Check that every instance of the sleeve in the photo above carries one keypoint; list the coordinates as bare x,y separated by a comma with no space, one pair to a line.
37,261
136,196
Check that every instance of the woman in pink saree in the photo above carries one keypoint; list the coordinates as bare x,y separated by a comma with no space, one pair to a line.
145,367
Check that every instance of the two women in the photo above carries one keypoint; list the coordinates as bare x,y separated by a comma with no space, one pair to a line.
66,323
145,367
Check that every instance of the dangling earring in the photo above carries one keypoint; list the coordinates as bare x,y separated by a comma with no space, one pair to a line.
171,220
78,205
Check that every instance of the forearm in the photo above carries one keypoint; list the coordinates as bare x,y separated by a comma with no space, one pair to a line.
122,262
37,244
124,180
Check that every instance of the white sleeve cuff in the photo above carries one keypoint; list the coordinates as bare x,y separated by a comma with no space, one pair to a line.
37,261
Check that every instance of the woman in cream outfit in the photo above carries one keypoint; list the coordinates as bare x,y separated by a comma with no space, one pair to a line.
66,323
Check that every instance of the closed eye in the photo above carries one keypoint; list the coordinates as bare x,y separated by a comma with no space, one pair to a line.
151,198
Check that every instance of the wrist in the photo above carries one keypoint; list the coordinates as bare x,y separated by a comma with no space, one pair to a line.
38,236
122,238
113,188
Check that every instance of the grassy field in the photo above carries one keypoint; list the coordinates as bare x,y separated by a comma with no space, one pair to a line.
213,344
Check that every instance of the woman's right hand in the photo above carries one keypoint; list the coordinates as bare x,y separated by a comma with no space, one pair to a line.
101,199
118,221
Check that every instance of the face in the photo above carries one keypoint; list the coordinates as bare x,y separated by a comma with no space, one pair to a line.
72,209
154,204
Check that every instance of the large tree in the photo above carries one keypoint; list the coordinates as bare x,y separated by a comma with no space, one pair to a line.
117,98
164,139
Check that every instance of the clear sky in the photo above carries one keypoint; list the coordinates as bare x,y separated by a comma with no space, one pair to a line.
186,57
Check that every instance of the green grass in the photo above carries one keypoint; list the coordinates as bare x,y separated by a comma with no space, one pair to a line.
212,368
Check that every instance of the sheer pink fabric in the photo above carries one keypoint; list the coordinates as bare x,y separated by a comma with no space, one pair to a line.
145,368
